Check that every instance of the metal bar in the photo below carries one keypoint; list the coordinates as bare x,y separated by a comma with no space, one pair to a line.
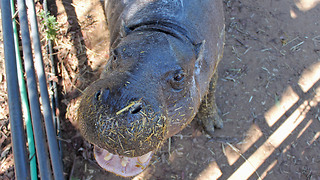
53,85
42,152
17,130
24,101
51,133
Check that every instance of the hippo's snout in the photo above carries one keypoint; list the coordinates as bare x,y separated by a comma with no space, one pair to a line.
122,124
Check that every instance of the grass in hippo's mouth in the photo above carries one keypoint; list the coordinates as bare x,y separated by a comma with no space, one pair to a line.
129,106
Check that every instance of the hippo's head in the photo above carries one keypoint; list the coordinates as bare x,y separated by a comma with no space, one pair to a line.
148,92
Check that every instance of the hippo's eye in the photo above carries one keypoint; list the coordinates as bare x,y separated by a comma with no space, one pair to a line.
177,81
178,77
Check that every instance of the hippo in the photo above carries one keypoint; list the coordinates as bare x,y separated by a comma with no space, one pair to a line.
160,75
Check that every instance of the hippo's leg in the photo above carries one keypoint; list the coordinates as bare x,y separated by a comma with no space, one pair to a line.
208,114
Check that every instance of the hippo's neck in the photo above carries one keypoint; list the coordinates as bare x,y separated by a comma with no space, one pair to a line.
165,26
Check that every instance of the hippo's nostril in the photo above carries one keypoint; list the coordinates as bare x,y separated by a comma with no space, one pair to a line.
136,108
97,95
101,94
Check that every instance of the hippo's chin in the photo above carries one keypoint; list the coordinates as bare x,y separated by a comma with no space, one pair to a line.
121,165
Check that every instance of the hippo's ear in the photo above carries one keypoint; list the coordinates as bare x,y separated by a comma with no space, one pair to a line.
199,48
124,30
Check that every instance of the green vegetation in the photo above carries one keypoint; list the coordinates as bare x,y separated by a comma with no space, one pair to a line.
49,25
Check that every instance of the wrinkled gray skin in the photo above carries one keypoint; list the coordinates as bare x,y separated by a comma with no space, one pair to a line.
163,55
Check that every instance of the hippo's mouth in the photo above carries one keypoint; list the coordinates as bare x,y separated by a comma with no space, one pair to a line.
122,165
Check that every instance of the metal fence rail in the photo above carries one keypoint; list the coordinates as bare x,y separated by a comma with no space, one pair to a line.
17,130
42,131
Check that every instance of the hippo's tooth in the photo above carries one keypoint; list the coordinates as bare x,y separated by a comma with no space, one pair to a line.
124,161
108,156
144,158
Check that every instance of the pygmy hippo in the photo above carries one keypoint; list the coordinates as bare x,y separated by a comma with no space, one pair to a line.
163,63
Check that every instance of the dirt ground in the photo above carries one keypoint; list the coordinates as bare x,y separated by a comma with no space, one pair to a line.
268,91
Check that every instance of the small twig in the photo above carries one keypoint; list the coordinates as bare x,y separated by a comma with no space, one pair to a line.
91,51
290,41
296,47
267,49
234,50
238,151
15,15
247,50
250,98
4,134
316,40
230,79
73,85
223,149
283,52
266,70
65,140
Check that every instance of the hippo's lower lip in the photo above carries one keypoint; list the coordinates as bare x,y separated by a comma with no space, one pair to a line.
121,165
